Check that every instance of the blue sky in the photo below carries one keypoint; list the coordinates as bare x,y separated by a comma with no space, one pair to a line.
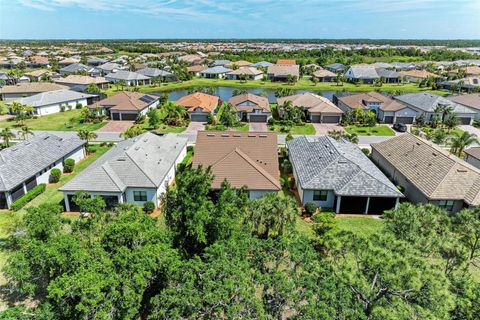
109,19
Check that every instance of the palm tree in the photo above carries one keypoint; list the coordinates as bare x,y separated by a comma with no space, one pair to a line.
86,135
25,132
459,142
174,114
7,134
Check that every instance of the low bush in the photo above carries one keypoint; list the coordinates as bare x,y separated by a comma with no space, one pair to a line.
310,208
68,165
148,207
78,106
366,151
55,174
27,197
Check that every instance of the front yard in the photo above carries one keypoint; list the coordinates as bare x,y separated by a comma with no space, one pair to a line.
61,121
307,128
378,130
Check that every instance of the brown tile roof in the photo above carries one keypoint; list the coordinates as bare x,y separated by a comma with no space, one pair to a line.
473,152
39,59
126,101
34,87
69,61
196,100
243,158
435,172
37,73
472,71
386,103
312,102
78,79
321,73
468,100
261,102
284,70
286,61
196,68
423,74
240,63
246,70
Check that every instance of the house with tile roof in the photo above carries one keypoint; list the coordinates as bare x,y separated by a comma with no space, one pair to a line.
318,109
126,105
336,67
324,75
281,72
22,90
199,105
388,110
418,75
80,83
338,175
49,102
362,73
129,77
471,101
429,105
244,159
155,73
427,173
245,73
136,170
73,69
472,156
215,72
29,162
251,108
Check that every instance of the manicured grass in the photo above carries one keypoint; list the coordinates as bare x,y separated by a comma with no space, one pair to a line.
305,129
170,129
61,121
360,226
378,130
302,84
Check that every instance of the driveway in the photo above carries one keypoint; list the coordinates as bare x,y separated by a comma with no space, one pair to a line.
195,126
116,126
324,128
258,127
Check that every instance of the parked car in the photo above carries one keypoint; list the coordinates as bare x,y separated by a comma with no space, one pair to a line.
400,127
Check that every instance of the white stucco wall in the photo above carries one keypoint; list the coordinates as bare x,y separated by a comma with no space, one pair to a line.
77,155
151,195
308,197
54,108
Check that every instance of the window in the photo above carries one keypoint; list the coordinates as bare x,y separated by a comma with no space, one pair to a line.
446,204
320,195
139,195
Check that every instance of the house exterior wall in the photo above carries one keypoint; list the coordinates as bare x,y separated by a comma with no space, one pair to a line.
343,107
55,108
308,197
151,195
76,155
473,161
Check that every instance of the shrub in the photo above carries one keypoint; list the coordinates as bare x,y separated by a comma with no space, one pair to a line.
286,166
148,207
310,208
27,197
78,105
62,108
366,151
55,174
68,165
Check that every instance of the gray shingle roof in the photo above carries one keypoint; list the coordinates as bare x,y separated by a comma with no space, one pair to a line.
322,163
155,72
75,67
126,75
217,70
363,72
27,158
428,102
387,73
143,161
53,97
262,64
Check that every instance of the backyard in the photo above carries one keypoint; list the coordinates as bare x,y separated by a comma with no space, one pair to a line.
61,121
378,130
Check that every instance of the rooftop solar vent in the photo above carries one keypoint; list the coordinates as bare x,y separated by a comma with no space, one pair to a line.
225,135
210,135
263,136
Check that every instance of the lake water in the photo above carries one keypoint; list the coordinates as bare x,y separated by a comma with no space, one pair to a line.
225,93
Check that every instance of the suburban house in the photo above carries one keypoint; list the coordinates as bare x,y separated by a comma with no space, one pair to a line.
318,109
21,90
417,75
261,64
195,70
38,75
80,83
362,73
67,61
155,73
338,175
109,67
239,64
428,104
388,75
336,67
135,171
427,173
192,59
218,63
199,105
52,101
28,163
94,61
73,69
324,75
130,78
400,66
251,108
215,72
247,159
467,84
471,101
126,105
281,72
23,79
245,73
38,61
386,109
472,156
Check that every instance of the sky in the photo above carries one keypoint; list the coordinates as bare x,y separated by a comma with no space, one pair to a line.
225,19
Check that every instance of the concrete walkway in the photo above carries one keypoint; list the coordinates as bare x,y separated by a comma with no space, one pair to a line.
116,126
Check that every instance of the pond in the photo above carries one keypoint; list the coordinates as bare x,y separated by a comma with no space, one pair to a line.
225,93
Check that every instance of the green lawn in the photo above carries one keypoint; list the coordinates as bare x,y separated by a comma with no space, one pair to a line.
305,129
379,130
302,84
360,226
170,129
61,121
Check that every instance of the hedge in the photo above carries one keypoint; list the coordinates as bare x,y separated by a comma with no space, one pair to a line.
68,165
27,197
